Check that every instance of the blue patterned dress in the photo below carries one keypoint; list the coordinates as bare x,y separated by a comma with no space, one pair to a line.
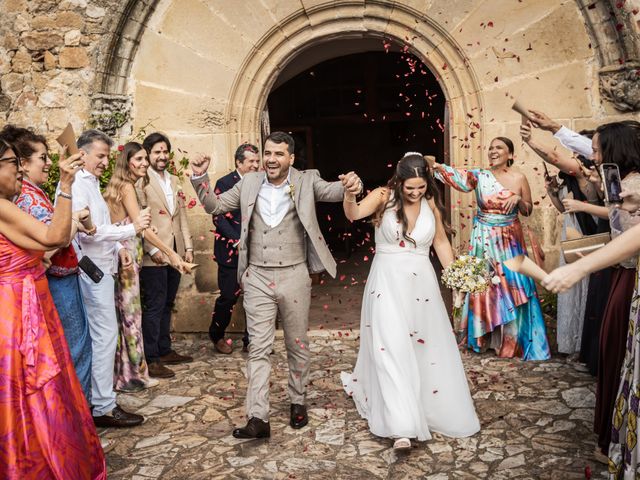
507,317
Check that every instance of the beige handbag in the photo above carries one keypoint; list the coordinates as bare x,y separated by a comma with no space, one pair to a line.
574,249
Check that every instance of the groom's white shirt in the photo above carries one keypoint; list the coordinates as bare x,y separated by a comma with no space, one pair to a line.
274,201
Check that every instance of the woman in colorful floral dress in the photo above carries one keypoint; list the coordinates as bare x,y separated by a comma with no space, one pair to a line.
124,201
62,273
507,317
45,424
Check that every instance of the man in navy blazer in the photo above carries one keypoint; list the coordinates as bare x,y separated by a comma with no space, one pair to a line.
225,250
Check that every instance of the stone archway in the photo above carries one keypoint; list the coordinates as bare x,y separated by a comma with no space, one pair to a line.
403,26
202,70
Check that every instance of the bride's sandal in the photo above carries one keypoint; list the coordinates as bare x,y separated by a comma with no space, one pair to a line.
402,444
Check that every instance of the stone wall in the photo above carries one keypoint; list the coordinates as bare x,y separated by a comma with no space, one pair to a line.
201,70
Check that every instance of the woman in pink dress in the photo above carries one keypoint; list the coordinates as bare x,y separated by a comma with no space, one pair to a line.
46,429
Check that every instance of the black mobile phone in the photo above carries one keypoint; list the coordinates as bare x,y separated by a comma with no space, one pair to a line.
91,269
610,174
586,162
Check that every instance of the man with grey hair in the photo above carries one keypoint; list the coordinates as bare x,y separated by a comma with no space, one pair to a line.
99,298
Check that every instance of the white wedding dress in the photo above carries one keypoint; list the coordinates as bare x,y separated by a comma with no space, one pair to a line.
409,380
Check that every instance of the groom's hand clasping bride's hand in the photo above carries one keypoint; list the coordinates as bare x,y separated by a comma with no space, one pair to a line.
200,164
352,183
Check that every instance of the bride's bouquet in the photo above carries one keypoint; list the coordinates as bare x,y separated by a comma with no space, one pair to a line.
466,274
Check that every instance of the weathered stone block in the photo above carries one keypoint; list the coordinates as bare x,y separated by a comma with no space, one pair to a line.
21,62
21,24
41,22
12,83
41,40
72,38
10,41
15,5
207,273
74,57
49,60
193,312
95,12
68,20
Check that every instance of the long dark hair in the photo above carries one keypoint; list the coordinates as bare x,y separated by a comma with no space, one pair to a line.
620,144
412,165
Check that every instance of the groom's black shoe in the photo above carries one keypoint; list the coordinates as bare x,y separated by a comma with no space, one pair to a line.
255,428
299,416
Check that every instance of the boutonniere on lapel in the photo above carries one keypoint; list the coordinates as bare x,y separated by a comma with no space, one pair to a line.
182,199
291,190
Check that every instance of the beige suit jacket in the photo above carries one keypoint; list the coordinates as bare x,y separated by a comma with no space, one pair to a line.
308,189
171,227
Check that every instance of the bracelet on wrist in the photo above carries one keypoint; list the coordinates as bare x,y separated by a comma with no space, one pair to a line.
64,195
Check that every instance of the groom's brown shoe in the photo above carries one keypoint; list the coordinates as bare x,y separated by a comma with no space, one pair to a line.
299,416
255,428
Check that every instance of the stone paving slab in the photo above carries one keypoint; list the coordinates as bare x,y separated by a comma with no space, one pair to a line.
536,422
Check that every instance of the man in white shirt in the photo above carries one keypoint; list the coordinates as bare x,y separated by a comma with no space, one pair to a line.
99,298
159,281
280,244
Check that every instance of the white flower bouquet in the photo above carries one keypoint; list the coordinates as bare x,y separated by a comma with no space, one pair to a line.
467,274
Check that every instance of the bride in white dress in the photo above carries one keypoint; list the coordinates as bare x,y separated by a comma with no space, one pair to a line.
409,380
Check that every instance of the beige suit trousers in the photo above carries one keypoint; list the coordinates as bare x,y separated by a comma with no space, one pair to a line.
269,293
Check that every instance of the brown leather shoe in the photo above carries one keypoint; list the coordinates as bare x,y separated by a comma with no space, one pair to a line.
174,358
158,370
118,418
255,428
222,346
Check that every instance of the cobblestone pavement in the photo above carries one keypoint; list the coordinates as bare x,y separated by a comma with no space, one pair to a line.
536,423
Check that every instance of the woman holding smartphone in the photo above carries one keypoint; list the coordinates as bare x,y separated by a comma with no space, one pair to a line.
583,304
580,309
615,143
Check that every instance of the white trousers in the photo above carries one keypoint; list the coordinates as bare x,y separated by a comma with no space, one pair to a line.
99,302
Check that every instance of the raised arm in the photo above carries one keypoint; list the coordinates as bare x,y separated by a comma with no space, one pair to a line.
459,178
441,243
324,191
213,203
569,139
367,206
549,154
27,232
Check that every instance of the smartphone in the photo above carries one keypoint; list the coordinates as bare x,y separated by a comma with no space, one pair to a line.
610,174
586,162
91,269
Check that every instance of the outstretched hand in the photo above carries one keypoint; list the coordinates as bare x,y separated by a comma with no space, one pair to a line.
563,278
543,122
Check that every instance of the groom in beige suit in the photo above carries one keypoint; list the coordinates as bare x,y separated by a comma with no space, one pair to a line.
280,244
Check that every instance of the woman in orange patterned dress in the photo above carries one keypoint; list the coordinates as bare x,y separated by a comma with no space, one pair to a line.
46,429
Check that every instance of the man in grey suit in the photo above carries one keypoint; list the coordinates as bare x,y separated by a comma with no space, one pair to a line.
280,244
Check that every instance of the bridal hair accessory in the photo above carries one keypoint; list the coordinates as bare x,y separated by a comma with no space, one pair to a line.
411,153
